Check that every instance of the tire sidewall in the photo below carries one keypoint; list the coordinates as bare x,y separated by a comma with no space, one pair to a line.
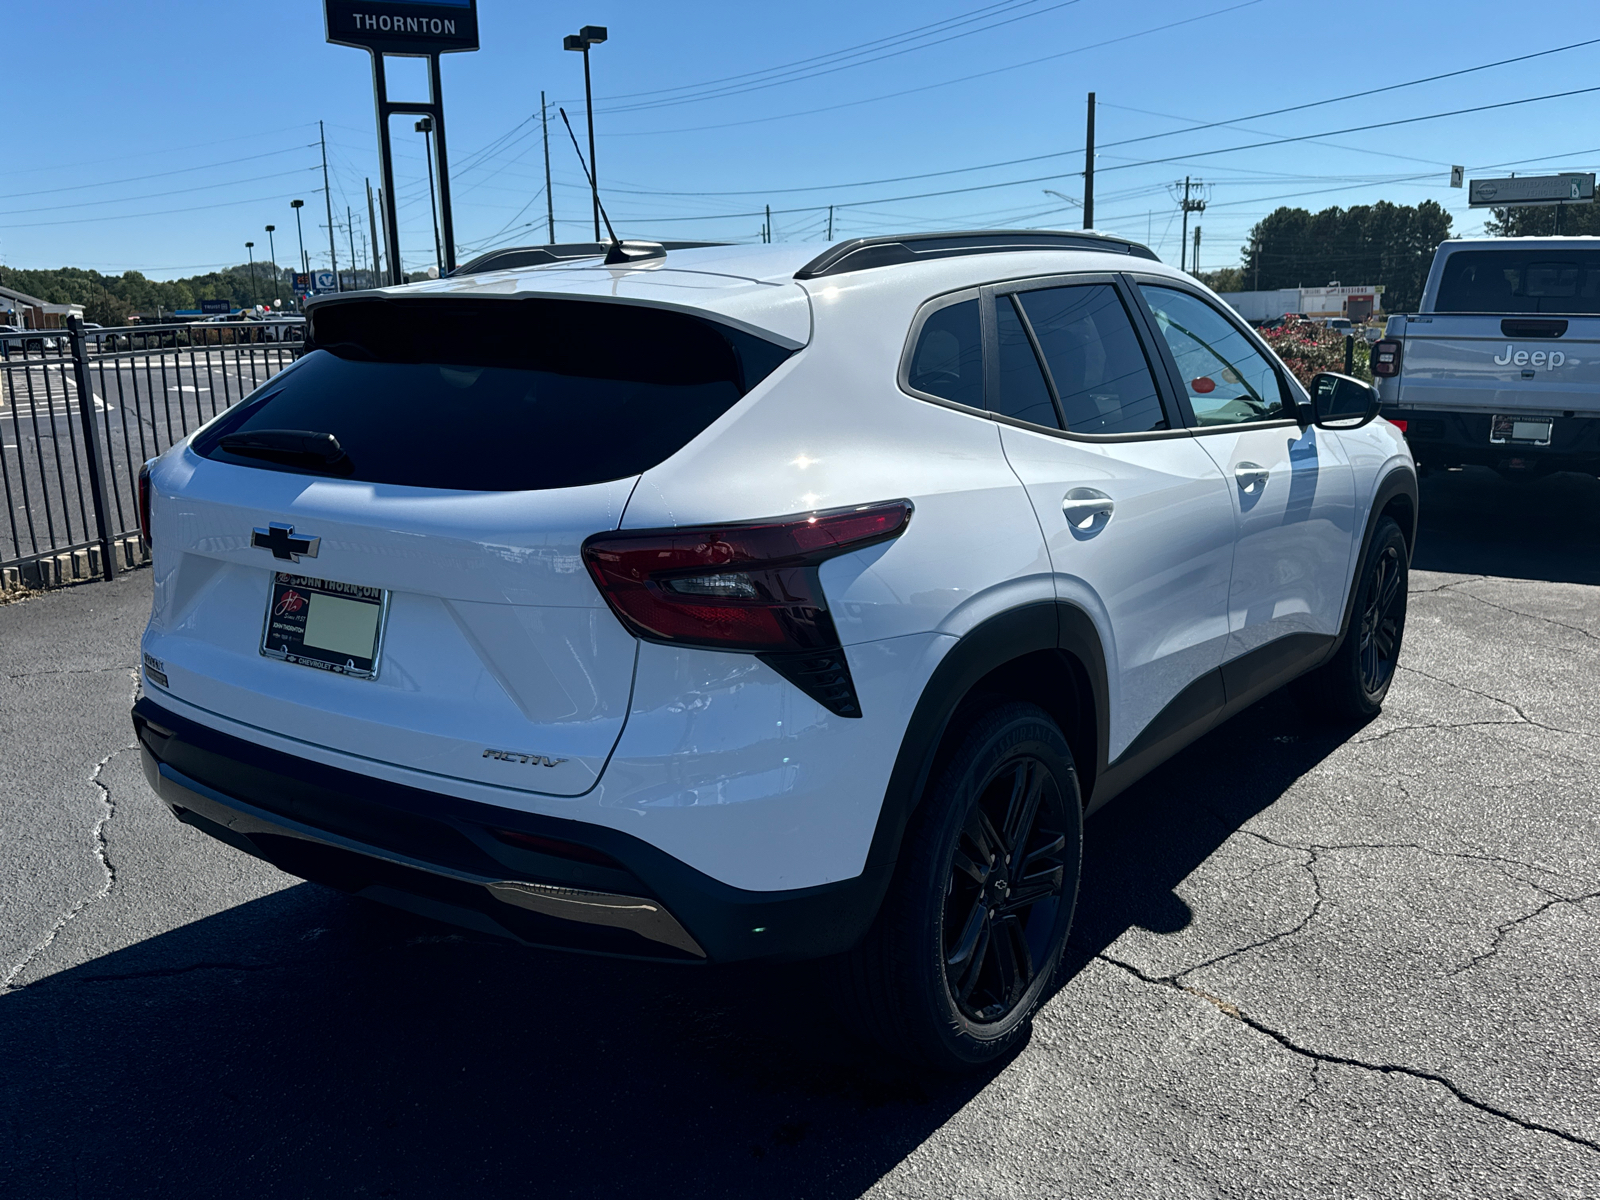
1386,534
998,736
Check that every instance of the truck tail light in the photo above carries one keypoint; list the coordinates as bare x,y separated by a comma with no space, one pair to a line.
1386,358
750,587
1399,423
144,505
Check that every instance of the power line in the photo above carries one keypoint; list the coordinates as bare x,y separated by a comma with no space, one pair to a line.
78,187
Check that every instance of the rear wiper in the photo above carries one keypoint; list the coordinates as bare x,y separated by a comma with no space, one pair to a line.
292,447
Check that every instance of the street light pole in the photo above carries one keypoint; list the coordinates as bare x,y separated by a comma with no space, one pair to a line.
272,249
250,247
305,263
425,128
589,35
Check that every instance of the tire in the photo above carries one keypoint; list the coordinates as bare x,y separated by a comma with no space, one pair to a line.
1352,685
964,950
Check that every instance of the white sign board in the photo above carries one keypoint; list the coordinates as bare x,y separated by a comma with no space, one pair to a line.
324,281
1531,189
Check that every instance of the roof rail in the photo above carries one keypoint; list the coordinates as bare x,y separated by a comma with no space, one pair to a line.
538,256
859,254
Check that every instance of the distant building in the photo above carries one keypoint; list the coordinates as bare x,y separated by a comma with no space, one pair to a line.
1358,303
30,312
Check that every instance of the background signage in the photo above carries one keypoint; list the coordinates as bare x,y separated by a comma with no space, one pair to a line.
1531,190
325,281
216,307
403,26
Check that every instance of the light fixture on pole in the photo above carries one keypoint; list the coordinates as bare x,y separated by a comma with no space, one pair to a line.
251,248
272,249
1063,196
425,128
589,35
305,263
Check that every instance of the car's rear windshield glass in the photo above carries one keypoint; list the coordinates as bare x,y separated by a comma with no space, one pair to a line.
1520,281
493,395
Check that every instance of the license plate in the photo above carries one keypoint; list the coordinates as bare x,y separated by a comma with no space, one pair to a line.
1532,431
334,627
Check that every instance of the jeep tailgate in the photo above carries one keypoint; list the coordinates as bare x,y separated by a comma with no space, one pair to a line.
1469,362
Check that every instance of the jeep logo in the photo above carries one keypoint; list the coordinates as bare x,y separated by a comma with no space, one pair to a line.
1522,358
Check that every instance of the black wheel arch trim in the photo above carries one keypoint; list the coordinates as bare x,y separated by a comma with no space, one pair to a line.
1041,626
1400,482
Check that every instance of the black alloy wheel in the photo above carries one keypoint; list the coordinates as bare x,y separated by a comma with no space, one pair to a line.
1352,685
1007,872
1382,618
966,945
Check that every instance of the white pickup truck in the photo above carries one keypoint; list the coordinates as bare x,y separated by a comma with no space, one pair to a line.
1501,365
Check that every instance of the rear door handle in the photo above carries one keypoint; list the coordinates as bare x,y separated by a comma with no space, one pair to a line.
1251,477
1082,506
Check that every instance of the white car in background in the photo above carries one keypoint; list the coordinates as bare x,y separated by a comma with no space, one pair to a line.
746,602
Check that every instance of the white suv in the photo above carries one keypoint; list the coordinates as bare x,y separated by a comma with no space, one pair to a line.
742,603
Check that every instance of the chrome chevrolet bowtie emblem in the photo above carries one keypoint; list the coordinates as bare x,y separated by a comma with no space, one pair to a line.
283,543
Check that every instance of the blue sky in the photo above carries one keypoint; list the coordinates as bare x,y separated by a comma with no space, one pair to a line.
161,135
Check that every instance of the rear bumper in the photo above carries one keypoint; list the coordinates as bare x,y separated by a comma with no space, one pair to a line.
1453,439
597,889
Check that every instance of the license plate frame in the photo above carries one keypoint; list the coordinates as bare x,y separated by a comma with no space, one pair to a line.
1505,429
343,620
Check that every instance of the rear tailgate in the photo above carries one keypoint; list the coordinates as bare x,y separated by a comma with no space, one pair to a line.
1490,364
494,640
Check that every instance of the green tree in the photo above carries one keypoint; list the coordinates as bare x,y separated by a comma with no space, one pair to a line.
1382,243
1228,279
1576,220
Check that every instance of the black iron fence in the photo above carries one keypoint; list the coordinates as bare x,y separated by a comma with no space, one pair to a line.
81,410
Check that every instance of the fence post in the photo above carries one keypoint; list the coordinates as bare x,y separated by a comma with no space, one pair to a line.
91,443
1349,354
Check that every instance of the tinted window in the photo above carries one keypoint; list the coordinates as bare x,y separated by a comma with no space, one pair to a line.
1023,392
1520,281
1227,378
948,360
500,395
1100,372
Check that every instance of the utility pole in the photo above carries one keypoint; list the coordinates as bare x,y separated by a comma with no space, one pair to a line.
393,263
374,259
830,222
1194,260
350,228
1194,205
768,225
327,196
549,196
1088,170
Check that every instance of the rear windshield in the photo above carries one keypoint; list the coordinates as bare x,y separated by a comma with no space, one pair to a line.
498,395
1520,281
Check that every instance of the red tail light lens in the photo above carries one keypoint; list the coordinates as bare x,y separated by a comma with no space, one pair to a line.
750,587
1398,424
144,505
1386,358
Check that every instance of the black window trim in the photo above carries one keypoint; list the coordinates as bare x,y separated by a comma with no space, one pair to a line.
1150,342
1295,400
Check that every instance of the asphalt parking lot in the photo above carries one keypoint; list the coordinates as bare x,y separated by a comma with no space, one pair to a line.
1307,962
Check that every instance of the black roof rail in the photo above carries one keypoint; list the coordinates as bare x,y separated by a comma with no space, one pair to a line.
859,254
538,256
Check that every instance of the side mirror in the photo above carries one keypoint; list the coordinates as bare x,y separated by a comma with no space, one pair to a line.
1341,402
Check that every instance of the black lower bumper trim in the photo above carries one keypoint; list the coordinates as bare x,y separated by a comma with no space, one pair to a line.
442,851
1460,439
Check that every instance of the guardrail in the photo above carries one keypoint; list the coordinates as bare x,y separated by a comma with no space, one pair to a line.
81,410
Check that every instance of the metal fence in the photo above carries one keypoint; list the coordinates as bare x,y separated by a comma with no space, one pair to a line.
80,412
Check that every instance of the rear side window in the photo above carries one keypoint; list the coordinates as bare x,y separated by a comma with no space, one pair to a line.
1023,391
1101,374
496,395
1520,281
948,359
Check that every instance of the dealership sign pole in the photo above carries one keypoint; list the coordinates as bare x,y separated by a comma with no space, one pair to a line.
416,29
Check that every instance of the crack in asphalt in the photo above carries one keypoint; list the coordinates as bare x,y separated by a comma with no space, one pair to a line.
1502,931
1512,705
1233,1011
102,857
1312,913
1444,587
1532,616
70,671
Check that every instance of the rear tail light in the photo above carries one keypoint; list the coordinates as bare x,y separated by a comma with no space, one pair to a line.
144,505
749,587
1398,423
1386,357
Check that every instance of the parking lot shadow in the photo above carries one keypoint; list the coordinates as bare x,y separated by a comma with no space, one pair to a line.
1475,523
307,1044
